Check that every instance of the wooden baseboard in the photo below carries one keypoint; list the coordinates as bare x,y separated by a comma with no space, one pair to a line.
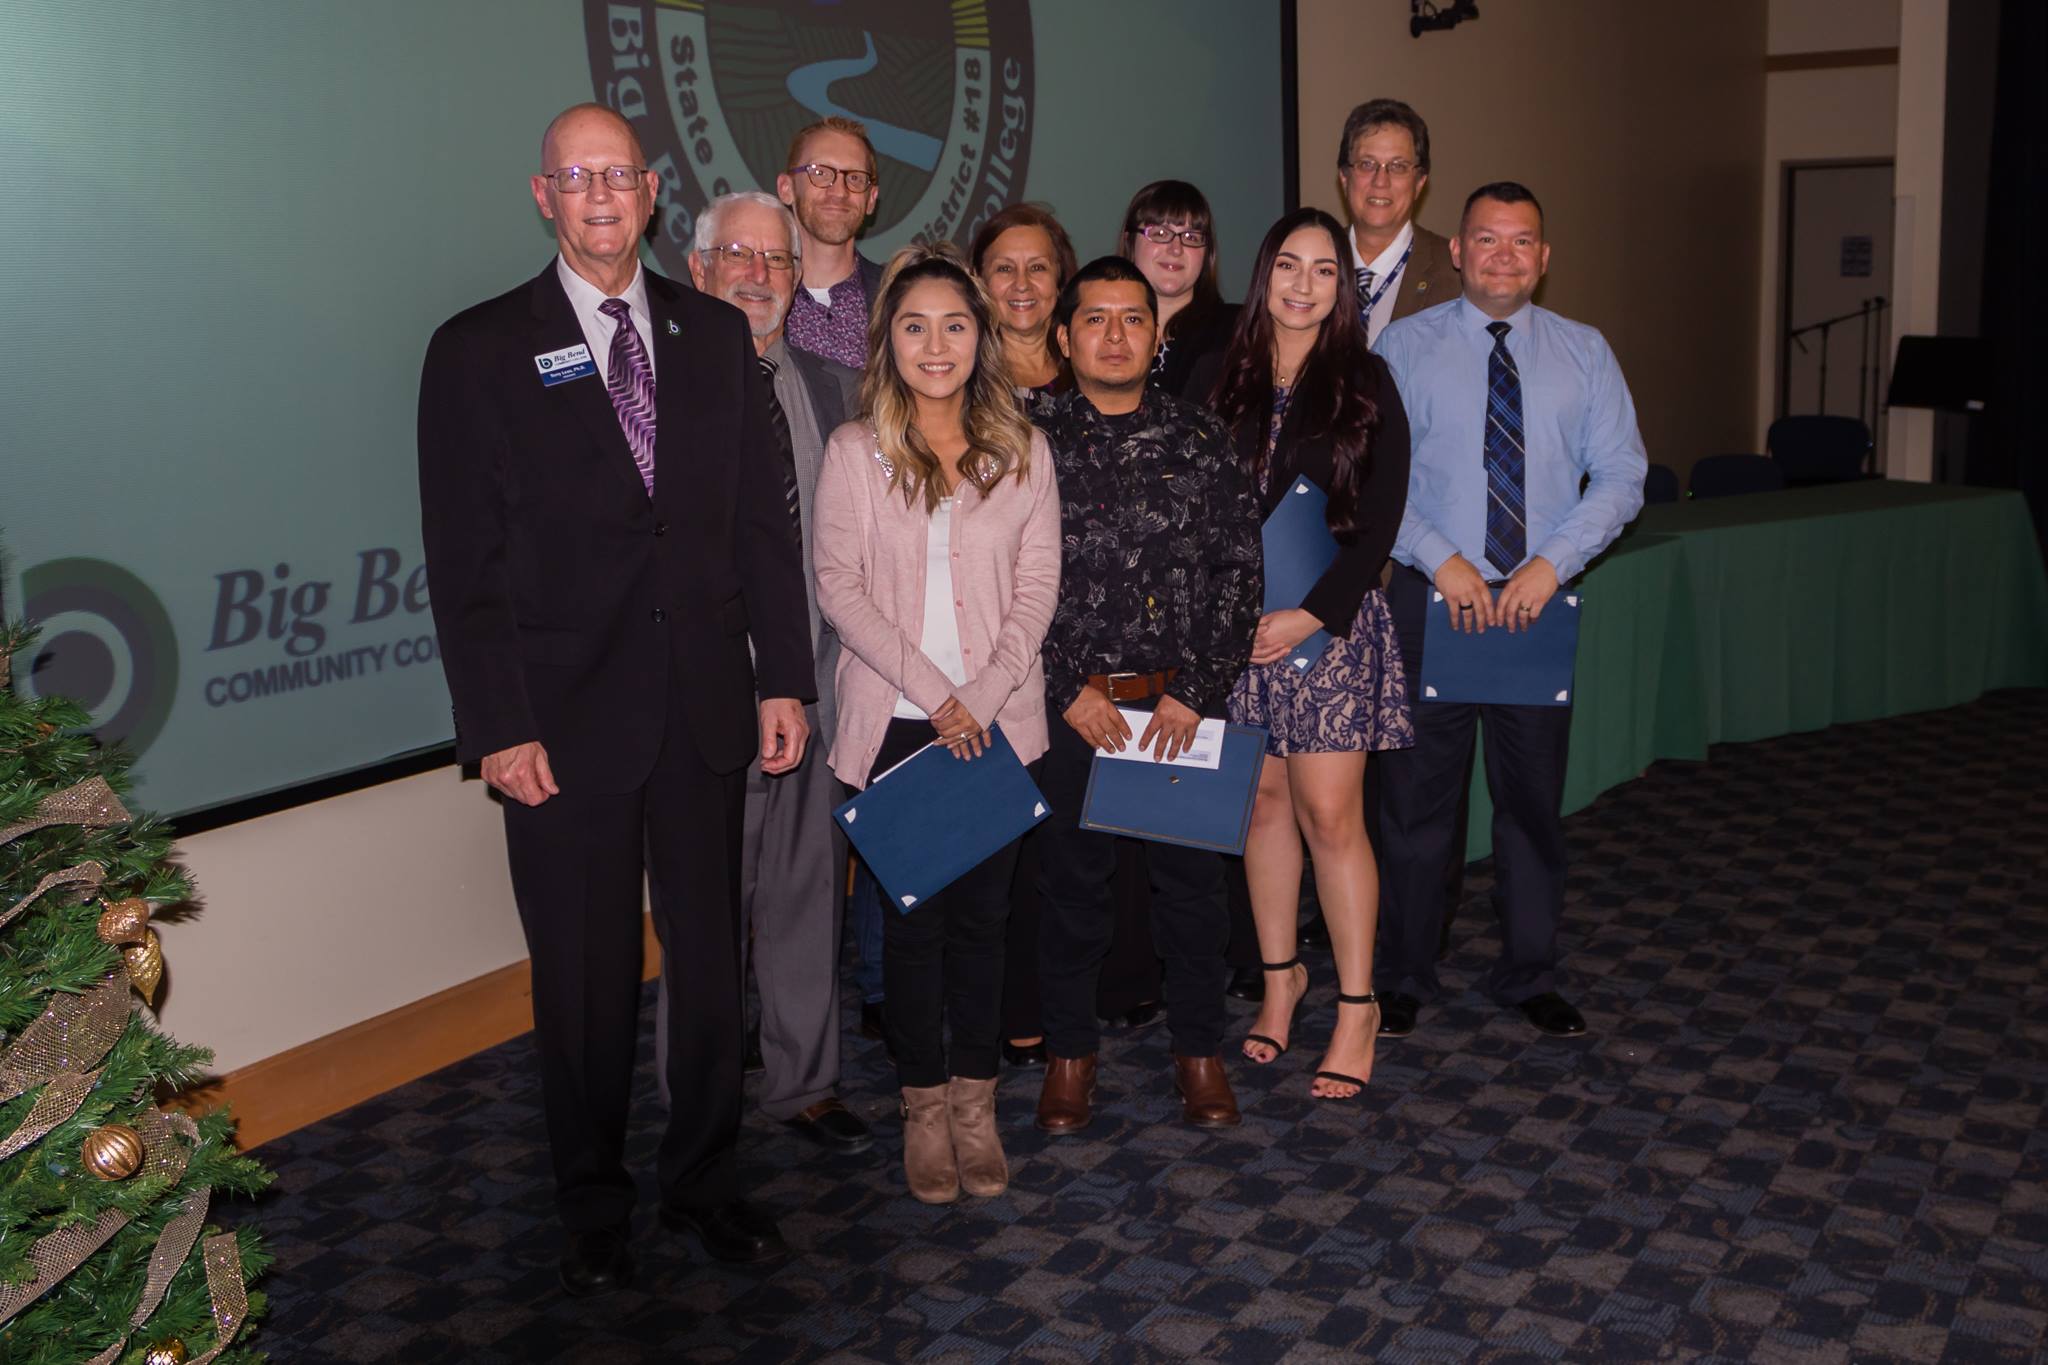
325,1076
1830,61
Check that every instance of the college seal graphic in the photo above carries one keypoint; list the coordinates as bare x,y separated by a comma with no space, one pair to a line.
717,88
106,643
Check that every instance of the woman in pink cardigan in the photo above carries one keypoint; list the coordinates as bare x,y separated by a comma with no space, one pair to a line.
937,544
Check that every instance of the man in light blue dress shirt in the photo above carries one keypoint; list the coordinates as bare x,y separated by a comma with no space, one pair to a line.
1510,406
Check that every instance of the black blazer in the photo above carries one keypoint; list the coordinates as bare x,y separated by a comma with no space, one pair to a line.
1175,372
1382,498
572,608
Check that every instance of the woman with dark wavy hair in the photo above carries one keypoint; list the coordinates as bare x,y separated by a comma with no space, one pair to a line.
937,546
1305,399
1170,235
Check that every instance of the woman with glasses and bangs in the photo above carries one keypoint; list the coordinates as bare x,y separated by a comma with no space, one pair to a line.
1170,235
937,547
1305,399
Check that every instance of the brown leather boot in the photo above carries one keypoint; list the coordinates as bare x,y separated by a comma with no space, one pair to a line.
1068,1090
928,1145
1205,1098
977,1149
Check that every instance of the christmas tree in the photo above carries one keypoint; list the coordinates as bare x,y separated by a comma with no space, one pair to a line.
105,1251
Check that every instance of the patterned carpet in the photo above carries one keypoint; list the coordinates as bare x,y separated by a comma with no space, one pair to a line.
1807,1127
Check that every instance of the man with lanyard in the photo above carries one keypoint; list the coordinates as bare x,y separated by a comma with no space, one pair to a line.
1161,578
1382,166
1510,407
830,186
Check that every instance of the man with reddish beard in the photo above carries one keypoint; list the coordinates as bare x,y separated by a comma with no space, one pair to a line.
830,185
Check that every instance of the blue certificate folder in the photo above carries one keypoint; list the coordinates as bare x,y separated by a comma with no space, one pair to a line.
1299,548
933,818
1531,667
1170,804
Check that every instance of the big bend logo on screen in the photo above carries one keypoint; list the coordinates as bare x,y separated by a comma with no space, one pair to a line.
717,89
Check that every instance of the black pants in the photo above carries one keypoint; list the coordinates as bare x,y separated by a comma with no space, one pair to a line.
577,860
1421,789
1076,875
942,960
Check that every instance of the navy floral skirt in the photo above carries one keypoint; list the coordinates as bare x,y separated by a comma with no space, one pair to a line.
1355,698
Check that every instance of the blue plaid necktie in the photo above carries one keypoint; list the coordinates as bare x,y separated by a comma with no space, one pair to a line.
1507,534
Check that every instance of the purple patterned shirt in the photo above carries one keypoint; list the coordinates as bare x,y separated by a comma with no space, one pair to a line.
838,331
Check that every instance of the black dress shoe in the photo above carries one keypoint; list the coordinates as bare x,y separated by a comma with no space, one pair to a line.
1551,1013
731,1232
1315,935
1141,1016
834,1127
1246,983
1029,1055
871,1020
1397,1014
596,1261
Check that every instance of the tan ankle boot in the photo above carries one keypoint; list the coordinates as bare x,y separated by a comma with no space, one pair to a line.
928,1161
971,1106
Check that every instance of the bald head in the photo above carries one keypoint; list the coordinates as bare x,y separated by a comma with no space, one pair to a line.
579,118
601,212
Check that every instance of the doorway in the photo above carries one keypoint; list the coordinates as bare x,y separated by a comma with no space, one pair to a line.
1834,322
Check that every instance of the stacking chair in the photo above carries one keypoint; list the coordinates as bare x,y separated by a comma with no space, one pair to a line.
1721,476
1661,484
1819,449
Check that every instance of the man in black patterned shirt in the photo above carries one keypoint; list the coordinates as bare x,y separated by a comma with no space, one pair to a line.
1160,586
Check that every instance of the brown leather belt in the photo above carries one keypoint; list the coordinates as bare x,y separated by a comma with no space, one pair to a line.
1134,686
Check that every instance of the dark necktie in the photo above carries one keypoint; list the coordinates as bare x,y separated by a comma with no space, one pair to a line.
1365,296
1507,532
778,422
630,381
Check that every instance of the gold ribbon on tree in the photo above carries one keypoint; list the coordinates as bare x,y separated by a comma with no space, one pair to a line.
91,803
224,1283
73,1033
88,875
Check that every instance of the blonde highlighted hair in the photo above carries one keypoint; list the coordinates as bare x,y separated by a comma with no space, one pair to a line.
998,433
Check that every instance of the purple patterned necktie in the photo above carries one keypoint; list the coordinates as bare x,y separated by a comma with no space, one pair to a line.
630,381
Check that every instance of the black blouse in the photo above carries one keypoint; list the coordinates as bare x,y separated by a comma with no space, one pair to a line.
1174,370
1382,498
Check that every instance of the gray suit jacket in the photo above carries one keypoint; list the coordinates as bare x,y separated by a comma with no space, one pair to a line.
835,397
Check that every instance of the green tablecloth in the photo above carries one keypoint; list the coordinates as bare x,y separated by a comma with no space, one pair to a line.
1734,619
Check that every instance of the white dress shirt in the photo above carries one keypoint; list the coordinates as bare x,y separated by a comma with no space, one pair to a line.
586,298
1383,311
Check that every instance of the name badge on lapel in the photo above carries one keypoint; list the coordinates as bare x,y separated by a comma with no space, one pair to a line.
559,367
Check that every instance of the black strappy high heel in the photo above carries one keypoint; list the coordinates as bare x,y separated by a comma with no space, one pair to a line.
1279,1048
1369,998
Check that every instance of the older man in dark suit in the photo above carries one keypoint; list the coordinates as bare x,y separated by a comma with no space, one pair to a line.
749,254
606,532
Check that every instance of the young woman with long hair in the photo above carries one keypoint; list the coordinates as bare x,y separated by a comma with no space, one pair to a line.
938,558
1303,397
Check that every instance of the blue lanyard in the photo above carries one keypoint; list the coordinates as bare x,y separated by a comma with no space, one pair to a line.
1365,311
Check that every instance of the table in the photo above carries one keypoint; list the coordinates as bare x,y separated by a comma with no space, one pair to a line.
1733,619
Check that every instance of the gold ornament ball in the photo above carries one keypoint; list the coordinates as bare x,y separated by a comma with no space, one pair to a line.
169,1351
124,921
113,1152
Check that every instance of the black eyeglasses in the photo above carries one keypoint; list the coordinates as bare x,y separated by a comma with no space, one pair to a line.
821,175
1162,235
577,179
